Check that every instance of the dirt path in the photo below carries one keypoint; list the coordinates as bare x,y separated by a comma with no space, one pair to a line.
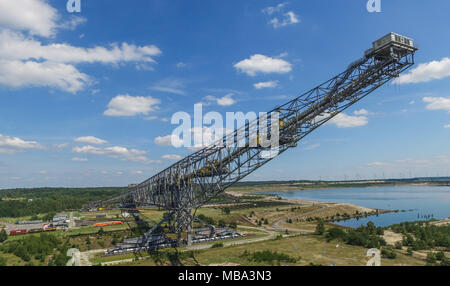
86,255
276,225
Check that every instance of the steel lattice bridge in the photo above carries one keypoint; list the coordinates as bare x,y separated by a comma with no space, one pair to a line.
193,181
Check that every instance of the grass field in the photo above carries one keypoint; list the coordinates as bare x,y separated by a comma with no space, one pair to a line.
306,248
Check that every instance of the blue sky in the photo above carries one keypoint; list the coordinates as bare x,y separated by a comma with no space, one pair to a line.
86,98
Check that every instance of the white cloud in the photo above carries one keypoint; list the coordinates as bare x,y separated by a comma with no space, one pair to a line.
266,84
288,18
35,16
262,64
283,19
274,9
226,100
117,152
11,145
26,62
447,126
437,103
181,65
361,112
172,157
73,23
77,159
343,120
19,74
15,46
126,105
426,72
412,102
169,140
90,140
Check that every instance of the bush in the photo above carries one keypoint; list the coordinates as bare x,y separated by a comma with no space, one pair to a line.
222,223
440,256
217,245
431,258
409,251
388,252
268,256
320,228
336,233
3,236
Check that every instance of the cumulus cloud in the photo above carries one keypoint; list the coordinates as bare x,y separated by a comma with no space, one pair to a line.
426,72
437,103
172,157
169,140
226,100
15,46
117,152
343,120
447,126
262,64
35,16
266,84
126,105
11,145
361,112
24,61
19,74
90,140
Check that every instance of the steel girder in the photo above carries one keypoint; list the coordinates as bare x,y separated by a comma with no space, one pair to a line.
201,176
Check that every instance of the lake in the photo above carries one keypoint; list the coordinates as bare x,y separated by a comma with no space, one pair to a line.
421,202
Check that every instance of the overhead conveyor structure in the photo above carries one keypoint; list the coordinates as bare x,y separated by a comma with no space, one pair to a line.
195,180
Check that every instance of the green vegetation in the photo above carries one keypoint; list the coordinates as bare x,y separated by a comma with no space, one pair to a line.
320,228
50,200
217,245
39,248
3,236
367,236
423,235
3,261
388,252
268,256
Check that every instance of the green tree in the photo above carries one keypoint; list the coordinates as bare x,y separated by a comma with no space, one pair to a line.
101,231
227,210
320,228
3,236
431,258
409,251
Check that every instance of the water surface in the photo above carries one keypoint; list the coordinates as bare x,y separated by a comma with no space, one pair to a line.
421,202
